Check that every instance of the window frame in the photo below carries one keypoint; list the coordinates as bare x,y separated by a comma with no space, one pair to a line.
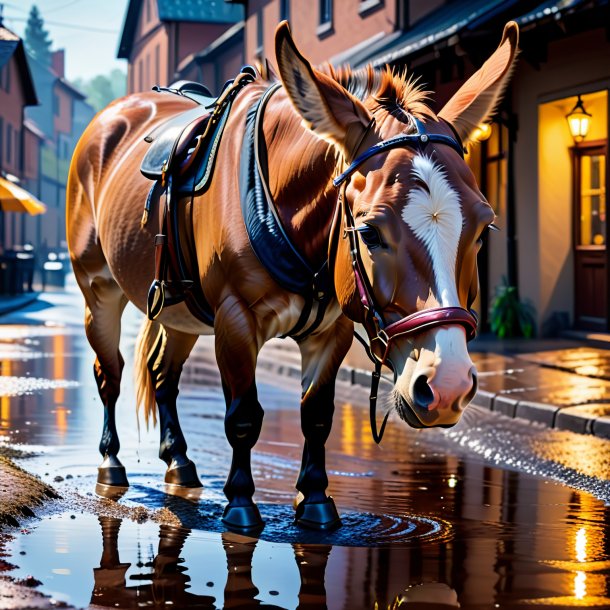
580,150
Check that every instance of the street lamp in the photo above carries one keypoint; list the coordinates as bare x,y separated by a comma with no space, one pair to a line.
579,121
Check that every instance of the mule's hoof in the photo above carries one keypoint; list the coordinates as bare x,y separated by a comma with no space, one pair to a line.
110,492
243,517
185,475
318,515
111,472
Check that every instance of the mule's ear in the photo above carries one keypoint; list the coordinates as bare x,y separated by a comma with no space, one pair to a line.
477,98
326,108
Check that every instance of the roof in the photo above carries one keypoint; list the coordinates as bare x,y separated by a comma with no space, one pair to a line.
34,129
200,11
71,89
194,11
11,45
443,25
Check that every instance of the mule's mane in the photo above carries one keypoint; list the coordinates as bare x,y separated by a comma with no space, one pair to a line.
386,88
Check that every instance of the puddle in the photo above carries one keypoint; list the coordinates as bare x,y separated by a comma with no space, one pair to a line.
476,517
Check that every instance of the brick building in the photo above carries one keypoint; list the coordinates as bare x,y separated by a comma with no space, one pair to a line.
161,37
548,189
58,122
16,93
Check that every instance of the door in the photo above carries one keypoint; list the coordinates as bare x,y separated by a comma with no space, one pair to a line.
591,271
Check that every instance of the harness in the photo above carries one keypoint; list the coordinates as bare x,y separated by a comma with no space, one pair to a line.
380,334
180,160
266,234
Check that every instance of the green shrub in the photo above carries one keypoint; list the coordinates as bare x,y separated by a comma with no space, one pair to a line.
511,317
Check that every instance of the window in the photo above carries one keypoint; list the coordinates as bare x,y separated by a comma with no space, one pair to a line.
590,191
5,77
284,10
369,6
260,41
147,75
325,17
157,64
9,143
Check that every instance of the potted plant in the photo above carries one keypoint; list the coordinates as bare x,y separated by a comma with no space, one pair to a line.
511,317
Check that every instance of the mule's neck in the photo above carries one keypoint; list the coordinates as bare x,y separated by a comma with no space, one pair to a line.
301,169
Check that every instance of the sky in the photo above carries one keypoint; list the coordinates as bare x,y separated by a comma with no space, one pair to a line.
88,30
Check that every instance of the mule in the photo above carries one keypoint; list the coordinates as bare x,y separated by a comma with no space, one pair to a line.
367,183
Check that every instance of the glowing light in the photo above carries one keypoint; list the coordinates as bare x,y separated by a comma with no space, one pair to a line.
579,121
482,132
580,585
581,545
452,482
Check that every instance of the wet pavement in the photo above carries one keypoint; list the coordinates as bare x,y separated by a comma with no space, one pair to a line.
494,513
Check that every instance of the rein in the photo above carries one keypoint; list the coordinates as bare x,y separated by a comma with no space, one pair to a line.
379,333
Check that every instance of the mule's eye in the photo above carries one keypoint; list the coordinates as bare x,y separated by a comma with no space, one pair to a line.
370,236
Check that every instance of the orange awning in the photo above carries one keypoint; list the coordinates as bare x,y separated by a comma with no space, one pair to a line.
14,198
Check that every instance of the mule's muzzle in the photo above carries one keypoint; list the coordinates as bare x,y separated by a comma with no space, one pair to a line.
428,406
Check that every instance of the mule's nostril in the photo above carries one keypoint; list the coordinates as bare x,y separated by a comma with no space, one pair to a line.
473,389
422,392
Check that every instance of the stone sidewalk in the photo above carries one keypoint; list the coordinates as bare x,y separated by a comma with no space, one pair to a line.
556,383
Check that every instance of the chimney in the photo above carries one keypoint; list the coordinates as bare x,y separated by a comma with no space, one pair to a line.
58,59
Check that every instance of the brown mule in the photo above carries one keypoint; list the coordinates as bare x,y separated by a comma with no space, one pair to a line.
401,228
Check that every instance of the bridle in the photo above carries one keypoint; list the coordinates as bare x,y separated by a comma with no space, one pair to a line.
380,334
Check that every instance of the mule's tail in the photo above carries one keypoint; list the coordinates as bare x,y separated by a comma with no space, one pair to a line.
147,344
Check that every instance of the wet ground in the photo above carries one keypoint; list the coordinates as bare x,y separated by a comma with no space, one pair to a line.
494,513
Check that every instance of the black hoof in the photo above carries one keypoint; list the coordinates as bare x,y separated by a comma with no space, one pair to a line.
110,492
185,475
318,515
112,472
243,517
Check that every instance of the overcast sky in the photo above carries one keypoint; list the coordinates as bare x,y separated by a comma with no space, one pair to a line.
73,25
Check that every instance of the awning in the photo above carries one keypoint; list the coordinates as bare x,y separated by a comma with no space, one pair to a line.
14,198
445,24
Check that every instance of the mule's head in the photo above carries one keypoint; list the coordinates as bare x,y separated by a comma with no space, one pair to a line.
411,217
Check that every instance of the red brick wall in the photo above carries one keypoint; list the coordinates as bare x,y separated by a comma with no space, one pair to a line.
350,26
11,104
31,153
63,111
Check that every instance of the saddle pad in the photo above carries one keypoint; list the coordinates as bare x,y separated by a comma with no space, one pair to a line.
164,139
267,237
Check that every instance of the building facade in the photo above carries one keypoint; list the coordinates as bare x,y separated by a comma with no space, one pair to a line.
58,122
161,37
16,93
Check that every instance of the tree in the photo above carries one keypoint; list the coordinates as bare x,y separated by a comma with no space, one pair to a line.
37,39
102,89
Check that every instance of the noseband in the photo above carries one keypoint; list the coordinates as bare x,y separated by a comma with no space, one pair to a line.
381,334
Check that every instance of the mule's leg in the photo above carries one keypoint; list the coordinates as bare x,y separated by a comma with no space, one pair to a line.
104,306
321,354
236,352
167,357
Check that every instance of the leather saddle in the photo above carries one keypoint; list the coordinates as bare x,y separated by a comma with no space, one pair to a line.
181,160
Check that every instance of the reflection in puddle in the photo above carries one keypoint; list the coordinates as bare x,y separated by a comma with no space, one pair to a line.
491,536
115,563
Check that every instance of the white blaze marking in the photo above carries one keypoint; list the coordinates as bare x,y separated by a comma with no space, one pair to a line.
436,219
